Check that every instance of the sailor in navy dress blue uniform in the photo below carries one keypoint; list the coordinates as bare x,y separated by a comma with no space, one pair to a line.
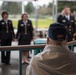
6,36
69,22
24,34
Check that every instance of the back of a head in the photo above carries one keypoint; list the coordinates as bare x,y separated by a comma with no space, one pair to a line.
57,32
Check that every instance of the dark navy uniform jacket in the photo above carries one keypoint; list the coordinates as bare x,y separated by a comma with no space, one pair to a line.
6,30
69,25
25,31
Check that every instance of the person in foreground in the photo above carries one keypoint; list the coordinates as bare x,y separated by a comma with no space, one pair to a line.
56,58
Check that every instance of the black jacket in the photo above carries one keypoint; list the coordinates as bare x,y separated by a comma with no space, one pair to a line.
69,25
6,30
21,30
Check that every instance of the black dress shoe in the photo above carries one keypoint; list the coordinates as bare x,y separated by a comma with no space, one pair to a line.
3,62
8,64
25,63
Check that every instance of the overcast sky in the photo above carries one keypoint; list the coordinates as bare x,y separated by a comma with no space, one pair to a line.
40,2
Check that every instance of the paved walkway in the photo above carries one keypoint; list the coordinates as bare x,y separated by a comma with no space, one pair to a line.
12,69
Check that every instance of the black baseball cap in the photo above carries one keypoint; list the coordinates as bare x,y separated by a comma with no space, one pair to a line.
57,32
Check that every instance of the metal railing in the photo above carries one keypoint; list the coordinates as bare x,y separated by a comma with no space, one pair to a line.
71,44
20,48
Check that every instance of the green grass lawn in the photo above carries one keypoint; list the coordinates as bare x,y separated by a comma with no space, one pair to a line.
42,23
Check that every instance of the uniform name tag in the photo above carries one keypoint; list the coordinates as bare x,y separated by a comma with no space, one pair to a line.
64,20
2,23
22,24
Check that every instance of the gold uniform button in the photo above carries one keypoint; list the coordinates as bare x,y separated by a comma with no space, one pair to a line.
69,29
69,32
69,26
66,27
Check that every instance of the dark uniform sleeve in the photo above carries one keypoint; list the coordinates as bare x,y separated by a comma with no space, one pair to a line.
12,29
0,29
18,30
59,19
74,28
31,30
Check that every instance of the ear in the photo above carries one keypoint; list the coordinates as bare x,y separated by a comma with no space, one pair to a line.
47,42
66,40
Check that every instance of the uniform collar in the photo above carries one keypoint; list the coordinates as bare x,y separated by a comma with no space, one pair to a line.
5,20
67,17
25,22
